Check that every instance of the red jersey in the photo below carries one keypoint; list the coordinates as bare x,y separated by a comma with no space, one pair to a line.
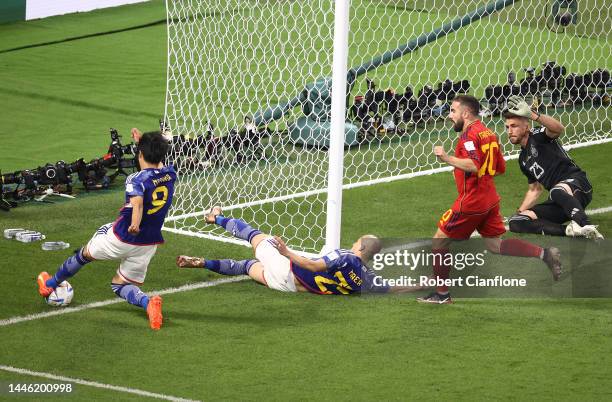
477,191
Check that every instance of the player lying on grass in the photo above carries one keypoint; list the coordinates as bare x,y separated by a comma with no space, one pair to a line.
477,160
546,165
133,237
340,272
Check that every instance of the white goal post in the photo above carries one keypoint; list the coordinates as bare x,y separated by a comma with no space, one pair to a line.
278,105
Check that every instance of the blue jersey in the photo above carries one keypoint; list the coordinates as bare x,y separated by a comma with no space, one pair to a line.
156,187
346,274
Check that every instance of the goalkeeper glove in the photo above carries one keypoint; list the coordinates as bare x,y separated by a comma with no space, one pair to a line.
517,106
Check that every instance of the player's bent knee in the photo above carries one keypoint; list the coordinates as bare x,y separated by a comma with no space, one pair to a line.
85,252
256,273
440,235
532,215
440,240
522,223
563,187
119,280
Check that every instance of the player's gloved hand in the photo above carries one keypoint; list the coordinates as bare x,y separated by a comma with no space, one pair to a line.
518,107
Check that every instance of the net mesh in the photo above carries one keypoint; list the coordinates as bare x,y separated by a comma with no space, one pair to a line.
248,95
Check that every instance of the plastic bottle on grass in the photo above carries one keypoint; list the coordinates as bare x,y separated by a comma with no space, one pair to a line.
55,245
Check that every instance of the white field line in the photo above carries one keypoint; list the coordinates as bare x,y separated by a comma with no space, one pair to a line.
311,255
92,384
599,210
199,285
231,240
359,184
67,310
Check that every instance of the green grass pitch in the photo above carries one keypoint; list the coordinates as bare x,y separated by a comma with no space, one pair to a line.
240,341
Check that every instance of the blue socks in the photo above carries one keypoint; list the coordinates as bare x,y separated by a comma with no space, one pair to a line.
132,294
237,227
72,265
229,267
68,269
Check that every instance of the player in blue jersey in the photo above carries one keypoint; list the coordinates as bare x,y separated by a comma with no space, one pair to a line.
133,237
340,272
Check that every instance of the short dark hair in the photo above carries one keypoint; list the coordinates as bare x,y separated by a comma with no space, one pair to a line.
469,102
153,146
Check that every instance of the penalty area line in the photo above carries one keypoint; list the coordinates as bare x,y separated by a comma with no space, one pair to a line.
68,310
92,383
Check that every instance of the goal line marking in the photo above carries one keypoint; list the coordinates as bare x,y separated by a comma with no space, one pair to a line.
360,184
232,240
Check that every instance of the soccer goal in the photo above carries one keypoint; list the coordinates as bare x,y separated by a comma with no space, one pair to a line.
281,104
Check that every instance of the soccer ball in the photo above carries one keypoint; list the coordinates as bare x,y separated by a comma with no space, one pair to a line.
61,296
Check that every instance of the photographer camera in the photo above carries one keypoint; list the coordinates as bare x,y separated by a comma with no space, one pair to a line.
552,78
246,142
115,157
8,178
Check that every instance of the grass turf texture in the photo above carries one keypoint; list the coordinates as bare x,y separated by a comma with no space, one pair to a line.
240,341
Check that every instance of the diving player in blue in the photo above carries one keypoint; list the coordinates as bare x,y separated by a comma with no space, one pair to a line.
340,272
133,237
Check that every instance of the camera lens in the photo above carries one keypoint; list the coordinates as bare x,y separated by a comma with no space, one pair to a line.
50,173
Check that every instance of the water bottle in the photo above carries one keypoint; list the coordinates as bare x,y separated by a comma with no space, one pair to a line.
10,233
29,236
55,245
23,232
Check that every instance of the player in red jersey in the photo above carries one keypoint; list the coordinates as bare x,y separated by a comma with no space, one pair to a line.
477,160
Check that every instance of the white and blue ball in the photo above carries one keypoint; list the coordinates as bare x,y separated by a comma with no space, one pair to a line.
61,296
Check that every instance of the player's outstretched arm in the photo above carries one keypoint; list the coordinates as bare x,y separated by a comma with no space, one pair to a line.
517,106
531,197
317,265
554,128
136,135
136,202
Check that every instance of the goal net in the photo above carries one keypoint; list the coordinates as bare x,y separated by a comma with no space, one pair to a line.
248,95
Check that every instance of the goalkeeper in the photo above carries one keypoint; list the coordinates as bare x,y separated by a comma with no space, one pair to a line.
340,272
547,166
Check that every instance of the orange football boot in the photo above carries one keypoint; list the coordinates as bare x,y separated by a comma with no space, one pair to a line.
43,289
154,311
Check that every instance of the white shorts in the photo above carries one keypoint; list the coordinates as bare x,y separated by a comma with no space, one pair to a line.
277,268
104,245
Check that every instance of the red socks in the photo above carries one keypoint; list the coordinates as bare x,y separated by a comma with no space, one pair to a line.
441,271
512,247
520,248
